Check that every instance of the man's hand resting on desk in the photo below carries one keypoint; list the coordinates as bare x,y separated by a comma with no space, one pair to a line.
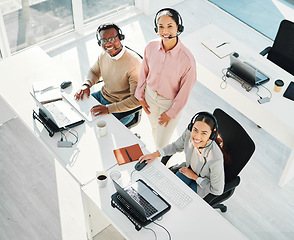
149,157
99,109
85,89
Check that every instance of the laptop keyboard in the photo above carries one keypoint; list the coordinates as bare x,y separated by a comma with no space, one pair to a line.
60,118
130,208
149,209
166,186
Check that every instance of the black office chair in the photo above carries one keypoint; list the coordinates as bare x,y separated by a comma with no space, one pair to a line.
240,147
138,111
282,51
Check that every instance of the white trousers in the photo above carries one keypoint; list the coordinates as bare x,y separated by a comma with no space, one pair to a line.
158,105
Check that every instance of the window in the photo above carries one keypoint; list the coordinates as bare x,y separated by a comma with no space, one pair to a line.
29,22
94,9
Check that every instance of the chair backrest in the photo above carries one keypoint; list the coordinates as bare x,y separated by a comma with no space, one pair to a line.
282,51
237,142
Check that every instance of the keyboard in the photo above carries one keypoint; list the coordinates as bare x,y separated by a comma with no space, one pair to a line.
166,187
130,208
149,209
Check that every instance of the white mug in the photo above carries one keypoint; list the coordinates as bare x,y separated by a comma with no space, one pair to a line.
101,177
102,129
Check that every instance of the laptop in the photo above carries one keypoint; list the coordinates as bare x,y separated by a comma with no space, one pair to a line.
141,201
246,71
59,113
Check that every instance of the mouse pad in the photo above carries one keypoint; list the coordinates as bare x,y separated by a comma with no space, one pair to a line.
289,93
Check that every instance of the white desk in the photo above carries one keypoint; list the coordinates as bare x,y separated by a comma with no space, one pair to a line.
276,116
92,153
84,158
197,219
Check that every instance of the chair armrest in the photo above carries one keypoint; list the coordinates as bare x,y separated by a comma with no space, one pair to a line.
165,159
265,51
228,187
124,114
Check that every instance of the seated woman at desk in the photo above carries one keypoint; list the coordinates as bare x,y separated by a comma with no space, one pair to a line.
203,170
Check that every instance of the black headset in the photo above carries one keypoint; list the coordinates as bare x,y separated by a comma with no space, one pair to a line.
174,13
214,132
121,36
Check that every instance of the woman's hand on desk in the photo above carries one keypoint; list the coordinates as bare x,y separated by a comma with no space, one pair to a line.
149,157
85,89
99,109
145,106
164,119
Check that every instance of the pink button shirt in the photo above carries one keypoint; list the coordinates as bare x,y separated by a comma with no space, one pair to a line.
171,74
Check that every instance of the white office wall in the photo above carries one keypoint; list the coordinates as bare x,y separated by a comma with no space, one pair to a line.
152,6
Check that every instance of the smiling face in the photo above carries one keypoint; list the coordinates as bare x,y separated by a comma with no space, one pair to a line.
112,48
167,27
200,134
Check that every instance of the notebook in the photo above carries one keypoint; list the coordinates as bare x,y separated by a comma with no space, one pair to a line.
141,202
128,154
246,71
82,106
60,113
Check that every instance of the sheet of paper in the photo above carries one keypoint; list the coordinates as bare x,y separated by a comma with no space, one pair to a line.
220,47
46,91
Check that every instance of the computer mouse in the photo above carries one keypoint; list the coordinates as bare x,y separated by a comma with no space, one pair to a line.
236,55
65,85
140,165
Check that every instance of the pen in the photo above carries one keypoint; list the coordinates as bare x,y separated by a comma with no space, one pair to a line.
129,155
222,44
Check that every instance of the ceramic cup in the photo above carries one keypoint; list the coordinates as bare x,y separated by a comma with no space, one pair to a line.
101,177
102,128
115,175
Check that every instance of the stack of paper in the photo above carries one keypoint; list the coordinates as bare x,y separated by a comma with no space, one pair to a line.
46,91
219,46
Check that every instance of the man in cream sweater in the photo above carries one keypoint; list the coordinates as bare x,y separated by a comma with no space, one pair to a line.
119,68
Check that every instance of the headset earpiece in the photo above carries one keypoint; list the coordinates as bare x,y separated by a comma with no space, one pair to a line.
214,133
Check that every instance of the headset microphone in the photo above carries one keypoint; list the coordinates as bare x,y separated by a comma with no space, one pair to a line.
174,36
206,145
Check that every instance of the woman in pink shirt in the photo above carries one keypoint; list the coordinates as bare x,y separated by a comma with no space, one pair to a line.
167,76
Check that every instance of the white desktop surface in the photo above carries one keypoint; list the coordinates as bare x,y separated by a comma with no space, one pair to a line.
196,220
92,153
82,160
276,116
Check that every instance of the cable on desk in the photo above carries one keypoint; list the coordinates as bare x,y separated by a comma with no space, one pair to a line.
264,88
152,231
131,175
76,135
224,83
169,236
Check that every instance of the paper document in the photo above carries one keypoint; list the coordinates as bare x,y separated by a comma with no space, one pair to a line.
82,106
219,46
47,91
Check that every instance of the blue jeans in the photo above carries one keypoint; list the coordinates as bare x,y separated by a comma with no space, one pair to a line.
98,96
190,182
